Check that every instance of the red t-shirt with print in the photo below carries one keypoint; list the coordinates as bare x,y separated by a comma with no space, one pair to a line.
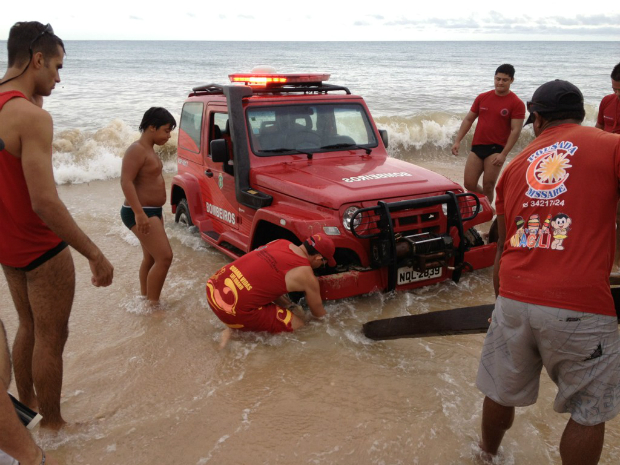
558,198
609,114
495,113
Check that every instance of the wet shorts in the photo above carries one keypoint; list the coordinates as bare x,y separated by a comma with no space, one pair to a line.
580,351
271,317
484,151
129,219
40,260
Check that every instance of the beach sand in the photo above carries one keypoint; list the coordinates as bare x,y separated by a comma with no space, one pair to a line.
151,387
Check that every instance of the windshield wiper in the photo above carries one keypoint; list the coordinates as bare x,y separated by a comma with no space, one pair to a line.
283,150
344,146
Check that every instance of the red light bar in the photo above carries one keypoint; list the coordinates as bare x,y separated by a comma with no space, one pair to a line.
263,79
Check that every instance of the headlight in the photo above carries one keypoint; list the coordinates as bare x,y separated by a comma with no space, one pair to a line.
346,218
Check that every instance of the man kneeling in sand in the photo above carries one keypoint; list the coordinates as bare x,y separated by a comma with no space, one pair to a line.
249,293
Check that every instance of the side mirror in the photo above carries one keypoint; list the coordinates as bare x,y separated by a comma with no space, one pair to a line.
219,150
384,136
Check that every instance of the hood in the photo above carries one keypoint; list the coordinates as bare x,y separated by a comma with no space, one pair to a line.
333,182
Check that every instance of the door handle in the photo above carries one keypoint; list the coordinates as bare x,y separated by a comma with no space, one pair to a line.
209,173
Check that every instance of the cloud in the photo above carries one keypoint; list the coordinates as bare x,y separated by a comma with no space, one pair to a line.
245,17
495,22
136,18
361,23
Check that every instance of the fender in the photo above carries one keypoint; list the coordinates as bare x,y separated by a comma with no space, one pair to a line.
188,183
301,222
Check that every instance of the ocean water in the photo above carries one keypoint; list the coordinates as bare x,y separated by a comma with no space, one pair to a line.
418,91
143,386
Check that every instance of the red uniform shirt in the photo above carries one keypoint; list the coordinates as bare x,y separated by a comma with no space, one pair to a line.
495,113
24,237
238,290
609,114
559,198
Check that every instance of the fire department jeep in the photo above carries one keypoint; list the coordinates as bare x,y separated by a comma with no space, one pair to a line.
283,156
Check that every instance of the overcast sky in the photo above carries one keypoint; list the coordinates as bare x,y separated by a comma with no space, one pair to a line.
326,20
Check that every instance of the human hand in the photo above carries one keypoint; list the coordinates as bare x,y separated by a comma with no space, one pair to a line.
142,223
498,159
102,270
455,149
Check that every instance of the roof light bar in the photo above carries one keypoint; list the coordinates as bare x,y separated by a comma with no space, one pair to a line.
264,79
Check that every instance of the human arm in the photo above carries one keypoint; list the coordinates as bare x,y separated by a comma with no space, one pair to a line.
133,161
14,437
36,156
501,238
466,125
302,279
515,131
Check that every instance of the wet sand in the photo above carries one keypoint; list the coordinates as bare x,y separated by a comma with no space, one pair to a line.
151,387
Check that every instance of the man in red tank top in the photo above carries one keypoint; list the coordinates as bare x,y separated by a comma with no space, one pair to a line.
35,225
250,293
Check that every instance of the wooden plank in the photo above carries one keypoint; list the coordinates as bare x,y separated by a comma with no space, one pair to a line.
466,320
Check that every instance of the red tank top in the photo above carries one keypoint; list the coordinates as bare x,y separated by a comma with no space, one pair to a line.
258,277
24,237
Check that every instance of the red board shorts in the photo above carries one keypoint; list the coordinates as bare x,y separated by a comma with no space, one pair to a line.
271,318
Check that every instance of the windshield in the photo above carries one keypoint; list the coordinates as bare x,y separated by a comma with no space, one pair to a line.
306,128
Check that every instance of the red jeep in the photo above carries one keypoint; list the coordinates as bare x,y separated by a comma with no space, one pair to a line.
276,156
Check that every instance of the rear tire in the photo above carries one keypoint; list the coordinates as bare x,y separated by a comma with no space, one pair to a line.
182,214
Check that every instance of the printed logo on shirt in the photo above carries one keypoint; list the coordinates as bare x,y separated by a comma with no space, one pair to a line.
548,170
504,112
551,235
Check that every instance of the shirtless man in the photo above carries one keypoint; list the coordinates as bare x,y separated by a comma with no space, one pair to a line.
500,116
35,225
145,193
249,294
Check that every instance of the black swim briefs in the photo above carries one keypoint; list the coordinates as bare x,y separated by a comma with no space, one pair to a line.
129,219
483,151
41,259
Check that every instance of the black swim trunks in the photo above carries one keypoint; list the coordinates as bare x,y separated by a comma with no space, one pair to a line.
129,219
483,151
40,260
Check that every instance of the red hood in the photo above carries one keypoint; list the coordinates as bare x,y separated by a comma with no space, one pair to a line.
332,183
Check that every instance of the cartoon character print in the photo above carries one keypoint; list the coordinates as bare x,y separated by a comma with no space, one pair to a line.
561,225
534,235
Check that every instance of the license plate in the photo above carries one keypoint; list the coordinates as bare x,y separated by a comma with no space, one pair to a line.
408,275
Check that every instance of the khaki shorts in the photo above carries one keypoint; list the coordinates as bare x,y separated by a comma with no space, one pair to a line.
580,351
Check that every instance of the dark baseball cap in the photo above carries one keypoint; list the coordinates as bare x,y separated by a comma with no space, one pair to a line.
553,96
323,245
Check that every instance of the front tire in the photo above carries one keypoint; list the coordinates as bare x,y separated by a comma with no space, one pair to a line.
182,214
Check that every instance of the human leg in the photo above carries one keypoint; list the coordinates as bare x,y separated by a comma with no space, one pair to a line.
147,263
474,167
156,244
23,345
489,178
580,444
496,420
51,288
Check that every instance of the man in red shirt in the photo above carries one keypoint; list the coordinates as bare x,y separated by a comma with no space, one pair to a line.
500,116
609,109
249,294
609,120
35,225
555,213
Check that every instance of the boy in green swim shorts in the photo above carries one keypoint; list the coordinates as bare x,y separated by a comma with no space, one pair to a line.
145,193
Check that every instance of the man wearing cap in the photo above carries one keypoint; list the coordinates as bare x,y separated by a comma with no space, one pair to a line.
500,114
554,306
249,294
